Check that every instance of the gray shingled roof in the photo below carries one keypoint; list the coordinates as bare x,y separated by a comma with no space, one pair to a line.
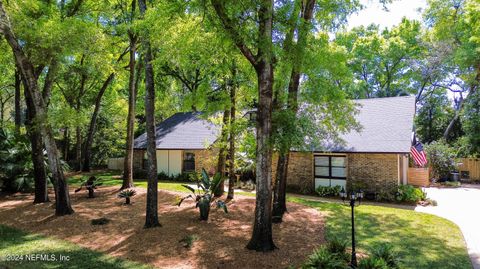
386,126
182,131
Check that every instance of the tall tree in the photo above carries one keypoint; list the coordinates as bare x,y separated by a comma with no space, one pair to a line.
93,124
152,188
262,62
132,98
30,81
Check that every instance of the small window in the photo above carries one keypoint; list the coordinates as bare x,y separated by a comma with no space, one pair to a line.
188,162
330,170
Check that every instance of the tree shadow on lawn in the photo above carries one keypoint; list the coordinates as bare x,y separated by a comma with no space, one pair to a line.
221,241
422,240
54,253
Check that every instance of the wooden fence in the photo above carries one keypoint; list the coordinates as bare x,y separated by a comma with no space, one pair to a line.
418,176
115,163
470,166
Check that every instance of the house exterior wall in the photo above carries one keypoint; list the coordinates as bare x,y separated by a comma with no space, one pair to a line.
372,172
369,171
173,163
300,172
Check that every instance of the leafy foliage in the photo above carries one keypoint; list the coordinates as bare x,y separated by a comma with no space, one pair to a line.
387,254
323,258
409,193
127,194
16,168
328,191
203,196
441,158
90,185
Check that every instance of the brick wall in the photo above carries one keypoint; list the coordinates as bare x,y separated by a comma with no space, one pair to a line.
300,171
138,171
373,172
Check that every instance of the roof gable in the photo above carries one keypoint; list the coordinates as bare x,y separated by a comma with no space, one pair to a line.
386,126
182,131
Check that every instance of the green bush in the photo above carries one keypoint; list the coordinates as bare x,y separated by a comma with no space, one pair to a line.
441,158
387,254
409,193
16,167
372,263
338,247
324,259
325,191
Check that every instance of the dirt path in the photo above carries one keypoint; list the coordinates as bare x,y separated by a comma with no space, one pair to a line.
221,242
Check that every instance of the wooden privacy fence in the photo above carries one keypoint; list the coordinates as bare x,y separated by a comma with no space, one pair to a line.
115,163
418,176
470,167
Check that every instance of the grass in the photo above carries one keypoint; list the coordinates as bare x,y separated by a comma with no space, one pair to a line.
422,240
24,247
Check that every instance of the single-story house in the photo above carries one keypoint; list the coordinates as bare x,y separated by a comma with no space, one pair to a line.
375,157
183,144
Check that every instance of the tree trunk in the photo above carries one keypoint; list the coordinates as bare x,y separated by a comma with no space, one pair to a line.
78,149
132,98
222,153
66,143
39,170
279,198
152,188
231,138
18,100
93,124
62,198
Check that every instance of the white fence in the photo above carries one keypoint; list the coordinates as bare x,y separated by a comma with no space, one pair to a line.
115,163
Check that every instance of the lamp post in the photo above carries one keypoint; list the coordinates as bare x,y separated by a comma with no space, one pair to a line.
354,197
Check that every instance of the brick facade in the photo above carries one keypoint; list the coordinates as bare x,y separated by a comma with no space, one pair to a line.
300,172
374,172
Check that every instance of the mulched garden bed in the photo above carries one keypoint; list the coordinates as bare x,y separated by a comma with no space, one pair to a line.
220,244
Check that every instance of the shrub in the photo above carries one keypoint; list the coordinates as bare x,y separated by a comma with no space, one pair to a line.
338,247
189,240
409,193
441,158
90,184
372,263
127,194
324,259
203,196
387,254
325,191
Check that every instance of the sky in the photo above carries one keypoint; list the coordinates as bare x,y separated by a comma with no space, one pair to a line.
374,13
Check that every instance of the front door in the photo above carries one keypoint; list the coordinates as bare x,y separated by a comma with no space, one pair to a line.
330,170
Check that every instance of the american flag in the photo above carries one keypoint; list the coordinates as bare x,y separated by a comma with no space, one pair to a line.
418,153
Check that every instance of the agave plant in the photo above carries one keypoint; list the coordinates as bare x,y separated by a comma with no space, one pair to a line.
127,194
90,184
203,195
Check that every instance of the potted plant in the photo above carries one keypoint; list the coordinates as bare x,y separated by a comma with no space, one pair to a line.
127,194
203,195
91,184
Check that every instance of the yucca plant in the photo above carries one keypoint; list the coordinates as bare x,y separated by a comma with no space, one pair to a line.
90,184
127,194
203,196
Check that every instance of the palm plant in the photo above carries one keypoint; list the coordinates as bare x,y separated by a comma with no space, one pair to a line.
90,184
16,167
203,196
127,194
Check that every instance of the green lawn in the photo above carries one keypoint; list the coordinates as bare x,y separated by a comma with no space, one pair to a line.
422,240
15,244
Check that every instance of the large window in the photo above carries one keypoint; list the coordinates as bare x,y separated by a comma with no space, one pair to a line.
330,170
188,162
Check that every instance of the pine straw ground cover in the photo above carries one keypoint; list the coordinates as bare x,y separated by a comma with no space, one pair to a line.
220,243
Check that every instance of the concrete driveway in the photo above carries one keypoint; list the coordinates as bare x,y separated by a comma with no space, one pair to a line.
460,205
